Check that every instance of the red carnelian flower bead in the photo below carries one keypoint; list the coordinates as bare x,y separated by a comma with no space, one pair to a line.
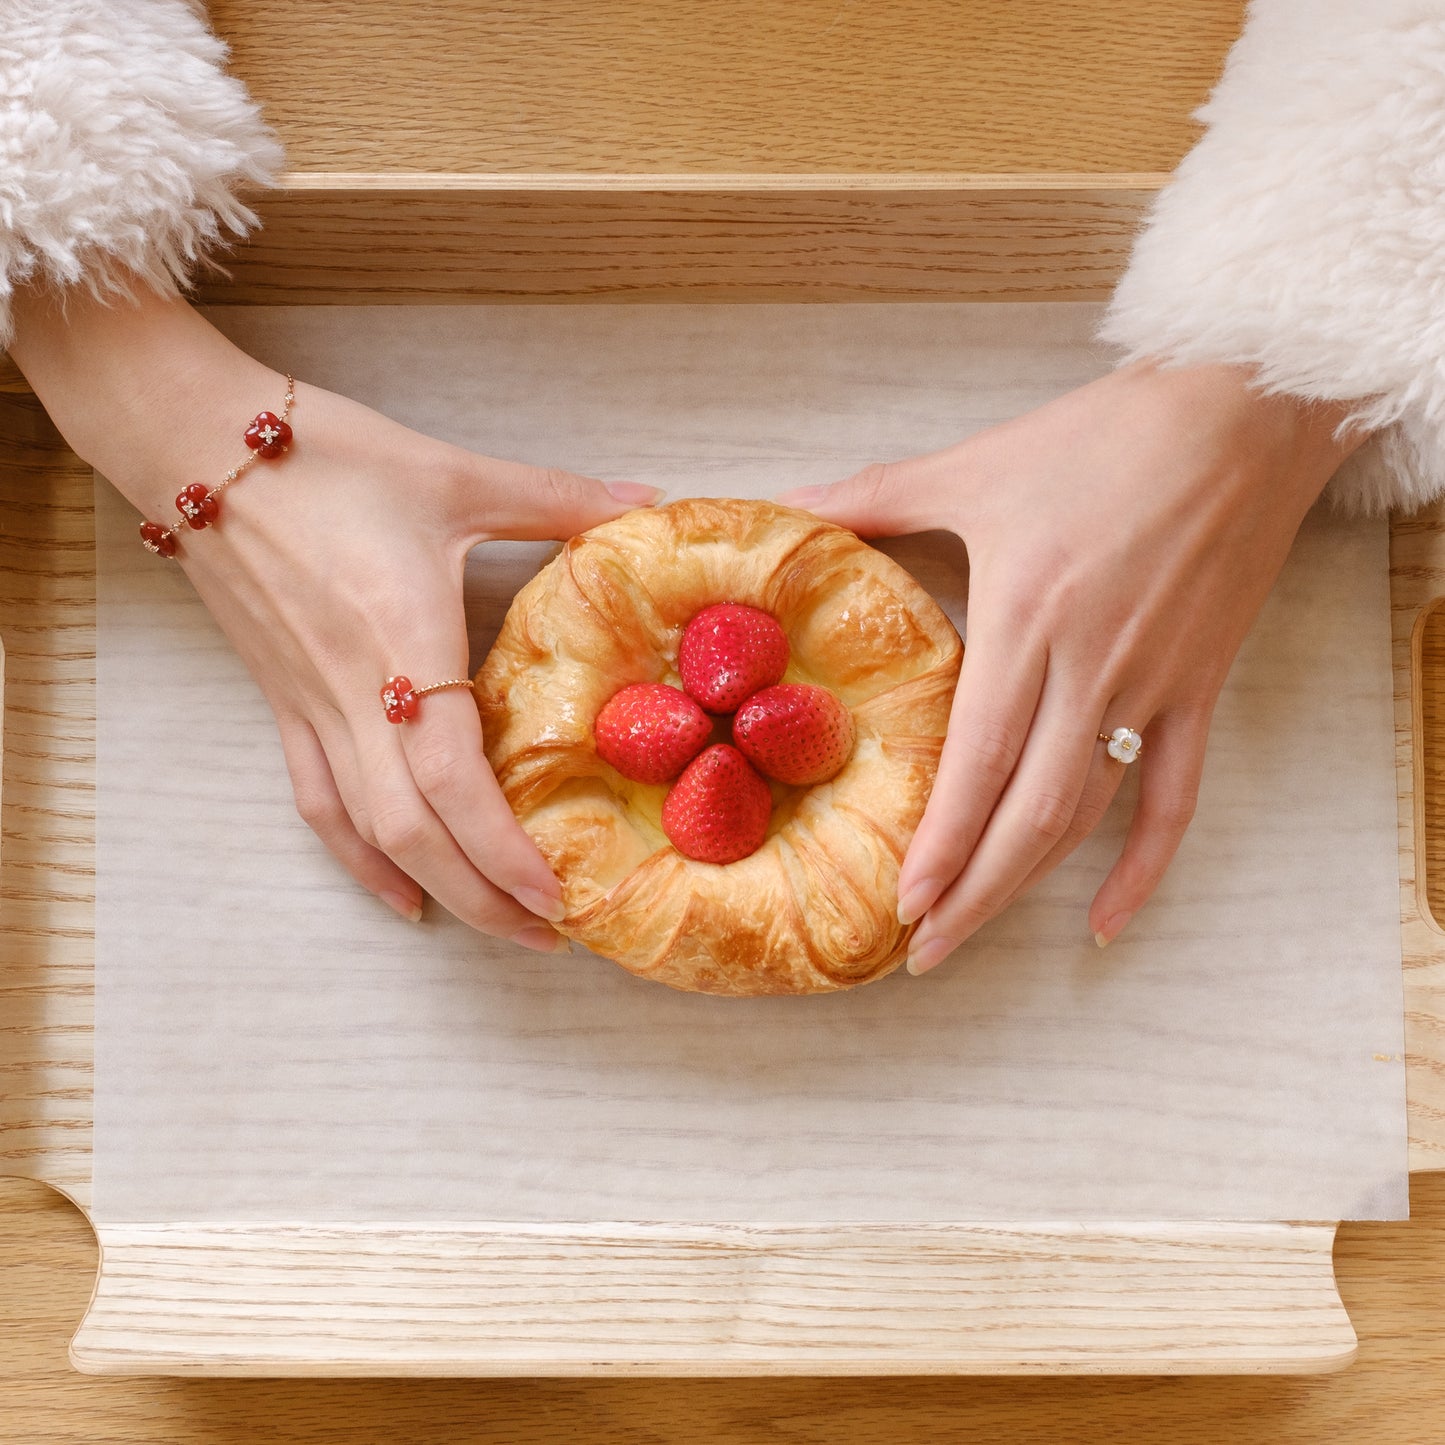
158,539
198,506
268,435
399,700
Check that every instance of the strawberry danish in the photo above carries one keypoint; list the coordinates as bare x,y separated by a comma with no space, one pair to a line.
720,721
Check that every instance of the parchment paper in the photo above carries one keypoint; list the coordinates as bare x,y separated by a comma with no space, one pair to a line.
274,1044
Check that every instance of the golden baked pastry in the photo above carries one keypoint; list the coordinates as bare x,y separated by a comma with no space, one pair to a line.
814,908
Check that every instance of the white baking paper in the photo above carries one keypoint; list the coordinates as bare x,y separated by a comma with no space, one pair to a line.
273,1044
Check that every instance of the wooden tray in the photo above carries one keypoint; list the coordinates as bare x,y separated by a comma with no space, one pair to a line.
770,220
193,1297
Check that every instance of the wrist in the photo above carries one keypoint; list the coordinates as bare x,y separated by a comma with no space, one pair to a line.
1289,442
148,393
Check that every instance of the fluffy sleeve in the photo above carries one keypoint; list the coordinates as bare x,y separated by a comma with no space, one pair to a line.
1305,233
123,144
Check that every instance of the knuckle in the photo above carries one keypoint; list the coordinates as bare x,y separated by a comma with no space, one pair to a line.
874,483
558,487
436,767
970,914
1136,879
1089,816
1068,591
361,821
1016,606
1048,814
1173,813
992,751
317,808
481,906
399,830
494,922
1091,809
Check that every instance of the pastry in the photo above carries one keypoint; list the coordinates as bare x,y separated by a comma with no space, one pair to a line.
868,665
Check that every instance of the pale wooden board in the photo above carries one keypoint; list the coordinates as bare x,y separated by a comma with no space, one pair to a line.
1391,1278
619,1300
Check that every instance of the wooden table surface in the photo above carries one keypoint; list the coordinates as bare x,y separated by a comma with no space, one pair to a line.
1029,88
1392,1277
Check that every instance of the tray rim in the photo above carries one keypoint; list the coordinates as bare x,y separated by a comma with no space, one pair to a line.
619,1301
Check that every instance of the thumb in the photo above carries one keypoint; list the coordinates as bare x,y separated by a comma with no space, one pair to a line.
887,499
515,502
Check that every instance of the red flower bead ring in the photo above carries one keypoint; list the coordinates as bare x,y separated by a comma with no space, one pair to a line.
401,701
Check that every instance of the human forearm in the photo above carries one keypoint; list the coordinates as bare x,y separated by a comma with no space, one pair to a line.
148,392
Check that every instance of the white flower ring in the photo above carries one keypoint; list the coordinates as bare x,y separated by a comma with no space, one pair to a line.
1124,744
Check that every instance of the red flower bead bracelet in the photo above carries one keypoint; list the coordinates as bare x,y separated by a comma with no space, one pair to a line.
199,506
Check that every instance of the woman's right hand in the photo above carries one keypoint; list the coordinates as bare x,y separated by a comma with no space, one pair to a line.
330,569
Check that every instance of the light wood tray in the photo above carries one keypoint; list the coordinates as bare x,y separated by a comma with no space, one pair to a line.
699,195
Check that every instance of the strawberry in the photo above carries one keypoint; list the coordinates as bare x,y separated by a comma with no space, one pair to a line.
795,733
649,731
718,810
728,652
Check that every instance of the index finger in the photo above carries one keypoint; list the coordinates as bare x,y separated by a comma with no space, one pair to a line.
998,693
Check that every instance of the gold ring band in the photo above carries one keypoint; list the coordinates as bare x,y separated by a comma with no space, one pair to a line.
439,686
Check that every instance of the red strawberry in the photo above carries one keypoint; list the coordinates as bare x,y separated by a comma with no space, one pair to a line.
718,810
649,731
795,733
728,652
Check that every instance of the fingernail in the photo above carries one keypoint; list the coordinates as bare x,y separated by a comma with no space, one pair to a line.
802,497
409,908
1112,929
544,905
543,940
635,494
929,955
918,900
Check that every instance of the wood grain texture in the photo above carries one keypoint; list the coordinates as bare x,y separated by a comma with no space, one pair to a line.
47,619
730,85
617,1300
395,91
822,150
572,239
1391,1276
1417,567
1430,681
47,861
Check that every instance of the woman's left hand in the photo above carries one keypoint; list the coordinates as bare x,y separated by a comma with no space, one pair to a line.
1121,541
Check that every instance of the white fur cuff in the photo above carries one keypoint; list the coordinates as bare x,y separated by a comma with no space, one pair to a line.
122,145
1305,234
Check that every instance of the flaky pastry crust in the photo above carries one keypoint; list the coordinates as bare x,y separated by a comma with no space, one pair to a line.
814,909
